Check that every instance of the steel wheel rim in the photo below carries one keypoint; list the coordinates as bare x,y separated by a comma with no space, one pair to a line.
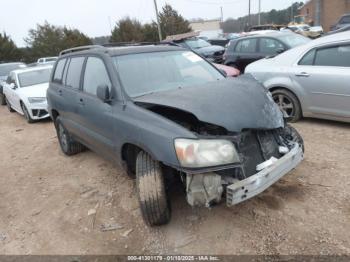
63,137
285,104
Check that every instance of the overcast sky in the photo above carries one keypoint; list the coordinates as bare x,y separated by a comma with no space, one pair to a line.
93,17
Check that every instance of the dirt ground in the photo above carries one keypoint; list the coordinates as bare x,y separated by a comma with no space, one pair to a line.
53,204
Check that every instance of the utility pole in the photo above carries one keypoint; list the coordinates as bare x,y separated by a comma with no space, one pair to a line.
158,23
249,15
259,12
222,14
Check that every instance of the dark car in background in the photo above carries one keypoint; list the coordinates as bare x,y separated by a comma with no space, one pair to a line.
5,70
343,21
245,50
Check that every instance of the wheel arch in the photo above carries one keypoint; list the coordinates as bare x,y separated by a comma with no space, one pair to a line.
279,87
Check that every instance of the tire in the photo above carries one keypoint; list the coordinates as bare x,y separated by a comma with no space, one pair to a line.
26,114
292,134
2,100
68,145
288,103
9,106
154,204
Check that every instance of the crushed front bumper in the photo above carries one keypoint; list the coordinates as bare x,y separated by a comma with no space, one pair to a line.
254,185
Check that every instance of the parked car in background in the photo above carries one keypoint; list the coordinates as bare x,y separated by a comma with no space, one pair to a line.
25,92
163,112
312,32
221,41
245,50
312,80
343,29
343,21
213,53
46,60
5,70
265,27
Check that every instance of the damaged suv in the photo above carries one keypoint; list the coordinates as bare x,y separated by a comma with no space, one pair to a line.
161,111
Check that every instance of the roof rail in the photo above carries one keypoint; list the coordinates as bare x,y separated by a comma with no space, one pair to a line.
79,48
129,44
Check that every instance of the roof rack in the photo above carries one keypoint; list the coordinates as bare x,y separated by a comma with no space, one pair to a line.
79,48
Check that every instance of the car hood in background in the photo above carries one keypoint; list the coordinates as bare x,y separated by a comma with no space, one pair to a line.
209,50
235,104
34,91
229,70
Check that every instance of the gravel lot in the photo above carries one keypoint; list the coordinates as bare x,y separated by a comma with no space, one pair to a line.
53,204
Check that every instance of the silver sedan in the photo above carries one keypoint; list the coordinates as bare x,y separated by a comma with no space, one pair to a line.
312,80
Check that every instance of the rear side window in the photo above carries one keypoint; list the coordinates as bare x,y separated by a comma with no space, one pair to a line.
74,72
345,20
333,56
58,76
95,75
246,46
308,59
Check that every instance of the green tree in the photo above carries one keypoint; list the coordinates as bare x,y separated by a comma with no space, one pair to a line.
49,40
172,22
8,50
150,32
127,30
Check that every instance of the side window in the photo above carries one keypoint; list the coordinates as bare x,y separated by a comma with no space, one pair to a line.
345,20
74,72
308,59
95,75
333,56
246,46
58,76
270,46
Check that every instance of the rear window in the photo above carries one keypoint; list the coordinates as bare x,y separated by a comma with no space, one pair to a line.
74,72
59,71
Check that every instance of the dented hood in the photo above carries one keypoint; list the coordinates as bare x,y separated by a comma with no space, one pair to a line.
235,104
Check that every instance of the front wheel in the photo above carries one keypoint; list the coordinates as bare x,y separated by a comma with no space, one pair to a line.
68,145
154,204
288,103
9,107
26,114
2,100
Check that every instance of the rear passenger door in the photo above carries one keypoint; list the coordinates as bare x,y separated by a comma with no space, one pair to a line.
67,92
246,52
269,47
96,116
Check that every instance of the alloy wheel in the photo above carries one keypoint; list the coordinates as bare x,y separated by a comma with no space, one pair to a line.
285,104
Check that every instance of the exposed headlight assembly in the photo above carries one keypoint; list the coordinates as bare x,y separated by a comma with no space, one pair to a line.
37,100
205,152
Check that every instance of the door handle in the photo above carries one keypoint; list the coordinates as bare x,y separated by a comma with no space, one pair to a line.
302,74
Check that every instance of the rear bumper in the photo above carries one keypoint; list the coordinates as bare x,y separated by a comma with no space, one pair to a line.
254,185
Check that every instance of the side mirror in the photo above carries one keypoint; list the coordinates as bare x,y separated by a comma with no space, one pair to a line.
103,93
13,86
280,50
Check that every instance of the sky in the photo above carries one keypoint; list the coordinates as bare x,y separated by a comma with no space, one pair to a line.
96,17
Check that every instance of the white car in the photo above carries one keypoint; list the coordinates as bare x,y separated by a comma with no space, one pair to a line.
312,80
25,92
47,60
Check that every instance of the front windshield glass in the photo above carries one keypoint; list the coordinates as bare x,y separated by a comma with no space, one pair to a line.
293,40
6,69
34,77
147,73
197,43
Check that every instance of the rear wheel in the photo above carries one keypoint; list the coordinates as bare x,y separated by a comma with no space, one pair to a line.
9,106
152,195
26,114
67,143
288,103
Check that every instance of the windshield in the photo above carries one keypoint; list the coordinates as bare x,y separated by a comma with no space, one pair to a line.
147,73
34,77
197,43
7,68
293,40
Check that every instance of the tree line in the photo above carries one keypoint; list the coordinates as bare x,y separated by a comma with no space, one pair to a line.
49,40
